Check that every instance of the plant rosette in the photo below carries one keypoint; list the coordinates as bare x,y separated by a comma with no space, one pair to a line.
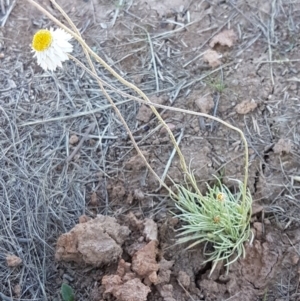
220,218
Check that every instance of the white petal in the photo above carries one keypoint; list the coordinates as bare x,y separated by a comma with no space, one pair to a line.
57,53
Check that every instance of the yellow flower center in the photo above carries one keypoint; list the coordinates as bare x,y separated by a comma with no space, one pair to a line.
220,197
217,219
42,40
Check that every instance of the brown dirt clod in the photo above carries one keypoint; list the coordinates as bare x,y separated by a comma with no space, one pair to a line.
205,104
184,279
144,262
166,291
125,286
145,113
246,107
164,273
13,261
150,230
212,57
132,290
73,139
96,242
283,146
136,163
224,38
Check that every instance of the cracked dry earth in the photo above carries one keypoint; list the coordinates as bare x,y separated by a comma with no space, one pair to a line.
123,249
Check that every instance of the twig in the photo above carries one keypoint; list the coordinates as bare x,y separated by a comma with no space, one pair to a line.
116,13
186,291
153,62
153,57
41,121
4,19
85,137
216,101
163,177
5,298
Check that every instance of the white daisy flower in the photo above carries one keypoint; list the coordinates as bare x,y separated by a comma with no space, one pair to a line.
51,47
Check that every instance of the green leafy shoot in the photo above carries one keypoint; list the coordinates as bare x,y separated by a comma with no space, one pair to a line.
217,85
67,292
219,218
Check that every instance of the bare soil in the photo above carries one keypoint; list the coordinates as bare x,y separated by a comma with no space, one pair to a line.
77,204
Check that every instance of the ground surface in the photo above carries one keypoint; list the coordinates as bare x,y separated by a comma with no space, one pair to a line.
160,46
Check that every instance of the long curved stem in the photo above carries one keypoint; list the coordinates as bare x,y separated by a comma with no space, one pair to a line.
146,99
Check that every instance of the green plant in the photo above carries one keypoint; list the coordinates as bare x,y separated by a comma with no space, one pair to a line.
219,217
217,85
67,292
266,294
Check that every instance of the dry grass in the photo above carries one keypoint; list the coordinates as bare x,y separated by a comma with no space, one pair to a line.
42,192
44,182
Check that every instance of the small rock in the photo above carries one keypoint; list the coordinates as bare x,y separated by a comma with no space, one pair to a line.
144,261
118,191
94,199
17,290
150,229
132,290
184,279
134,221
245,107
141,239
256,209
205,104
166,291
123,268
164,273
295,259
139,194
225,38
12,84
125,285
283,146
267,221
73,139
13,261
212,57
136,163
259,229
145,113
212,287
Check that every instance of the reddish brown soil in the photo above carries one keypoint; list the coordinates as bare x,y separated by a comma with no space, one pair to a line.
134,256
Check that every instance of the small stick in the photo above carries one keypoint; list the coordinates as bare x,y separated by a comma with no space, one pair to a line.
186,291
153,57
4,19
5,298
85,137
163,177
79,114
216,98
